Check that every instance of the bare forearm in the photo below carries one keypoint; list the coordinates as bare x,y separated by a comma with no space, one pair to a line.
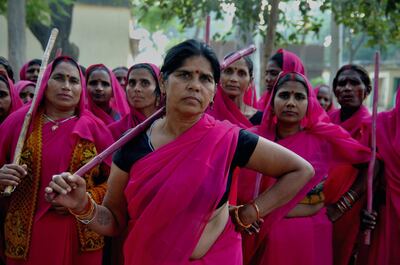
105,223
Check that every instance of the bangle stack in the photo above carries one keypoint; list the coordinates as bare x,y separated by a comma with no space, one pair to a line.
87,215
255,206
346,202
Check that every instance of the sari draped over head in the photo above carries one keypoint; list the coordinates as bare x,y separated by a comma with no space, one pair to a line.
331,107
225,109
118,102
291,63
250,96
133,118
324,145
20,85
347,227
22,71
173,191
30,223
385,241
16,102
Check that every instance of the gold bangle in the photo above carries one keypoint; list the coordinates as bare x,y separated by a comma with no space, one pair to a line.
87,211
237,218
255,206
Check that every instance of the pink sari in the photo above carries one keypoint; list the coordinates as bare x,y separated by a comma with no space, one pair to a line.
346,229
291,63
54,237
331,106
250,96
163,184
225,109
386,237
324,145
118,102
22,71
20,85
16,102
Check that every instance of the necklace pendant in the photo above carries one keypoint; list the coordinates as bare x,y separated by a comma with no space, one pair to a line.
54,127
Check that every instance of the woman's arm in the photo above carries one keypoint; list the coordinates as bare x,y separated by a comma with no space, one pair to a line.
292,171
107,219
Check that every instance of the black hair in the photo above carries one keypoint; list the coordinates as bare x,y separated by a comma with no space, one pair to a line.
248,61
360,70
35,62
289,77
90,70
184,50
120,68
4,79
146,66
278,59
4,62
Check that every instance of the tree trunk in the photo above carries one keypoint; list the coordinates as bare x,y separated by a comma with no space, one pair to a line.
16,13
62,21
270,38
335,48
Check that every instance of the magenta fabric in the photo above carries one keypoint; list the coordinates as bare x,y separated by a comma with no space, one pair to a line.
135,117
324,145
57,147
118,102
386,238
16,102
250,96
168,205
22,71
291,63
20,85
225,109
331,106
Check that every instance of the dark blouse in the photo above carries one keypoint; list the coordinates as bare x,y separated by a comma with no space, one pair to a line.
140,146
256,118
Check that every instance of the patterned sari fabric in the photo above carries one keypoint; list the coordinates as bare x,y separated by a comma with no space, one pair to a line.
181,183
324,145
34,232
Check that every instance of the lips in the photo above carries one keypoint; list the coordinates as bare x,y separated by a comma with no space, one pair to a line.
65,96
190,98
290,113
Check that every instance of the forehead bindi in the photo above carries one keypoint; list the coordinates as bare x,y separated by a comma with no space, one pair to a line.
66,69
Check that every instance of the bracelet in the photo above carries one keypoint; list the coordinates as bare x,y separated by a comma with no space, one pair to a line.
87,215
237,218
340,208
253,203
88,221
353,195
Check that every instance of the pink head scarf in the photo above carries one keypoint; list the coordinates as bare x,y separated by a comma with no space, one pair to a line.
161,184
290,63
22,71
16,102
135,117
20,85
118,102
320,142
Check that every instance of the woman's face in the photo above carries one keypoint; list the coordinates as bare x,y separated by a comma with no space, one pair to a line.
141,88
5,101
120,74
350,90
32,72
99,87
235,79
271,74
324,97
290,102
27,94
64,87
190,88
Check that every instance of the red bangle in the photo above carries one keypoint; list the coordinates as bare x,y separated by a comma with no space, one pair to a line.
255,206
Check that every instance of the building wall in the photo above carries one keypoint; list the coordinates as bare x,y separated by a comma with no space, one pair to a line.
101,33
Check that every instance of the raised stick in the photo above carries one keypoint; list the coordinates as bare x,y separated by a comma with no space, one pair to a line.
21,139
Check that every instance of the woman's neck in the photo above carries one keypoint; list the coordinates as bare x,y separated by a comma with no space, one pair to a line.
147,111
174,124
346,113
284,130
56,114
238,100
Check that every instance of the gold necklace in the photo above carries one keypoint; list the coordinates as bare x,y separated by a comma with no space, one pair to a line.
57,124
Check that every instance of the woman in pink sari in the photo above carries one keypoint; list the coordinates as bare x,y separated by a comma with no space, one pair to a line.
282,60
385,241
325,97
62,135
351,87
298,232
143,94
106,99
229,103
9,100
175,175
25,90
30,70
